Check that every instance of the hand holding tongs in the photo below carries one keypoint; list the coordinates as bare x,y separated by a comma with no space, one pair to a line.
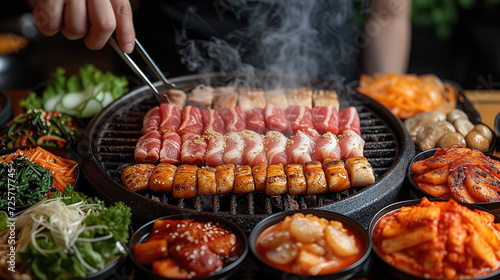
161,96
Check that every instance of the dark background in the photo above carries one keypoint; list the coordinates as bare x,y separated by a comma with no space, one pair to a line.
469,55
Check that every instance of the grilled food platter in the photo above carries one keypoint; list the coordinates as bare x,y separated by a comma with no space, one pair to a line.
112,135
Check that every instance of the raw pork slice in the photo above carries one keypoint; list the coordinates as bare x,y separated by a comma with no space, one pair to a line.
327,146
170,148
300,118
201,96
351,144
170,117
212,120
276,120
234,119
253,153
326,119
151,121
251,98
147,149
300,148
235,146
215,150
256,121
192,121
193,149
275,147
349,119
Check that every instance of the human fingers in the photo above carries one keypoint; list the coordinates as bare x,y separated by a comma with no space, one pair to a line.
125,33
75,24
102,23
48,16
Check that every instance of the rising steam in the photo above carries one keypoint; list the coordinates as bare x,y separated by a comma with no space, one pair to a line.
306,38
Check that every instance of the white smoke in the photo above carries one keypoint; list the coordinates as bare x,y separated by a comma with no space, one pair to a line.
306,38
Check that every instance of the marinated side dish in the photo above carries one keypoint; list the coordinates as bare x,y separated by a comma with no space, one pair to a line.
66,236
406,95
33,174
309,245
39,127
439,240
463,174
185,249
435,129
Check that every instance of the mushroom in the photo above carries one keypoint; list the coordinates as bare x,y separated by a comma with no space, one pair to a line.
453,138
455,115
429,135
463,126
477,141
484,130
416,123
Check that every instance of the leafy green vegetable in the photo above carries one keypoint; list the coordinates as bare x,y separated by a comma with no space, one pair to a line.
24,181
82,95
4,220
38,127
95,247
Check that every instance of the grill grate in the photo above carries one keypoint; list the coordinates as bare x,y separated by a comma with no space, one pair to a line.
115,150
115,131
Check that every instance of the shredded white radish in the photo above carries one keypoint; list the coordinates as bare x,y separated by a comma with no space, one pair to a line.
64,223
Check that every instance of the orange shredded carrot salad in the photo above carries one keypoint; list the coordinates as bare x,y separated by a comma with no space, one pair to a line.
62,170
406,95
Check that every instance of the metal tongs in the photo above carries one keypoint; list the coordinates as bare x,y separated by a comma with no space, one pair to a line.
161,96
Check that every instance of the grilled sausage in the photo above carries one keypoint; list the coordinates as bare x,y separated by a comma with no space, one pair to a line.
259,176
136,177
295,179
315,177
206,181
162,178
185,183
276,180
243,179
360,171
224,178
337,177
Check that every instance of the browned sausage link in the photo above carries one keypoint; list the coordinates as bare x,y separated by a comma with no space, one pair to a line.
243,179
336,175
162,178
276,180
136,177
206,181
360,171
224,178
315,178
259,176
185,182
295,179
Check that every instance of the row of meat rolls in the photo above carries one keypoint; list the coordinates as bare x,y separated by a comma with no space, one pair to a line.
313,177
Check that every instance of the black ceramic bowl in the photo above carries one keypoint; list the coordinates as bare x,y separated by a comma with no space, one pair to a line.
345,273
143,233
491,206
398,273
63,153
